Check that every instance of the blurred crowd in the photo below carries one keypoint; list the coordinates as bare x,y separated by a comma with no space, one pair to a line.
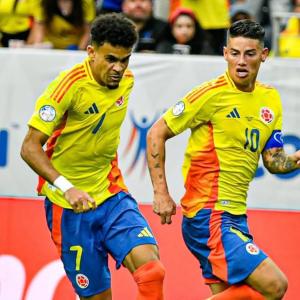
185,27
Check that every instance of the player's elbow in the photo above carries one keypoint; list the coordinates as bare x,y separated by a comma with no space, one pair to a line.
159,132
274,168
269,167
271,171
151,135
26,150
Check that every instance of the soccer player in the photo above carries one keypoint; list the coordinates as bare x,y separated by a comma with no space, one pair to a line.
89,210
233,119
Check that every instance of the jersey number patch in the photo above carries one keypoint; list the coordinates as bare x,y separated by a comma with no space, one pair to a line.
252,139
78,250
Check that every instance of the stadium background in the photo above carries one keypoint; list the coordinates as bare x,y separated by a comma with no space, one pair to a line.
29,266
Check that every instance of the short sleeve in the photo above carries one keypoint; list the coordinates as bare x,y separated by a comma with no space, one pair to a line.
278,121
50,108
195,109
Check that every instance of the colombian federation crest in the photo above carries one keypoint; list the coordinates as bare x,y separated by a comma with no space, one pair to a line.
252,249
120,101
82,281
267,115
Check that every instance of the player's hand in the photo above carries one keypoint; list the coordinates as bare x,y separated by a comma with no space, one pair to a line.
79,200
165,207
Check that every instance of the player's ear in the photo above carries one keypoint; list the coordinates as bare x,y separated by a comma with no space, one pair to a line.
264,54
91,52
225,52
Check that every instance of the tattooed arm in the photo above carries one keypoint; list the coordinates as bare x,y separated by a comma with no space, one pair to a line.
163,204
277,161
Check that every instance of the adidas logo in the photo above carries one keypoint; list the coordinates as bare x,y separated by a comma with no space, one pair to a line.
233,114
92,110
145,233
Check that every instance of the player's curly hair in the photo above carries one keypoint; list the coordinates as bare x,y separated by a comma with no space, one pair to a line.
115,29
248,29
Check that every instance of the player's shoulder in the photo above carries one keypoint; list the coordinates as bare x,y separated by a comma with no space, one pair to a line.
73,74
208,88
66,81
264,86
128,79
270,90
128,73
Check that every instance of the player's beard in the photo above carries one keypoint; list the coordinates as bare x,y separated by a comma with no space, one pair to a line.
112,87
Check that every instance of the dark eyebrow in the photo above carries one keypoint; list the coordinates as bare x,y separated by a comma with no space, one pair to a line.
111,56
248,50
126,57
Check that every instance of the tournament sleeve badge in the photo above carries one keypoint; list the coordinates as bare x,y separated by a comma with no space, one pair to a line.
47,113
178,108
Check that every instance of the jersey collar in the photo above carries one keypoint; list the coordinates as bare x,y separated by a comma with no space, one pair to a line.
88,69
232,84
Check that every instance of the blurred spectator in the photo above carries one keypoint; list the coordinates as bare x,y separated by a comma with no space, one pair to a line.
107,6
150,29
17,19
262,11
289,39
214,18
240,11
183,34
66,23
280,6
258,10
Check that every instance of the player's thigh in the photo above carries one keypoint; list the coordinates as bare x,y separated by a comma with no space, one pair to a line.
106,295
217,288
140,255
267,278
226,250
129,235
80,246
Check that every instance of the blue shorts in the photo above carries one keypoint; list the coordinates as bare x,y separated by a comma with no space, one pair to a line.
85,239
223,245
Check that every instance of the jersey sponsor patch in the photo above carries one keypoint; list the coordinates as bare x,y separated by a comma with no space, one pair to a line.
82,281
47,113
267,115
275,140
252,249
178,108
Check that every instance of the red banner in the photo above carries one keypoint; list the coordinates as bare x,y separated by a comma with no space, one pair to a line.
30,268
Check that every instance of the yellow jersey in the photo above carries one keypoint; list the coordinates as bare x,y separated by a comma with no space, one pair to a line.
83,120
289,39
229,130
15,16
61,33
211,14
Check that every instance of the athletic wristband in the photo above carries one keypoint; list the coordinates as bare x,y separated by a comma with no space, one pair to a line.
62,183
